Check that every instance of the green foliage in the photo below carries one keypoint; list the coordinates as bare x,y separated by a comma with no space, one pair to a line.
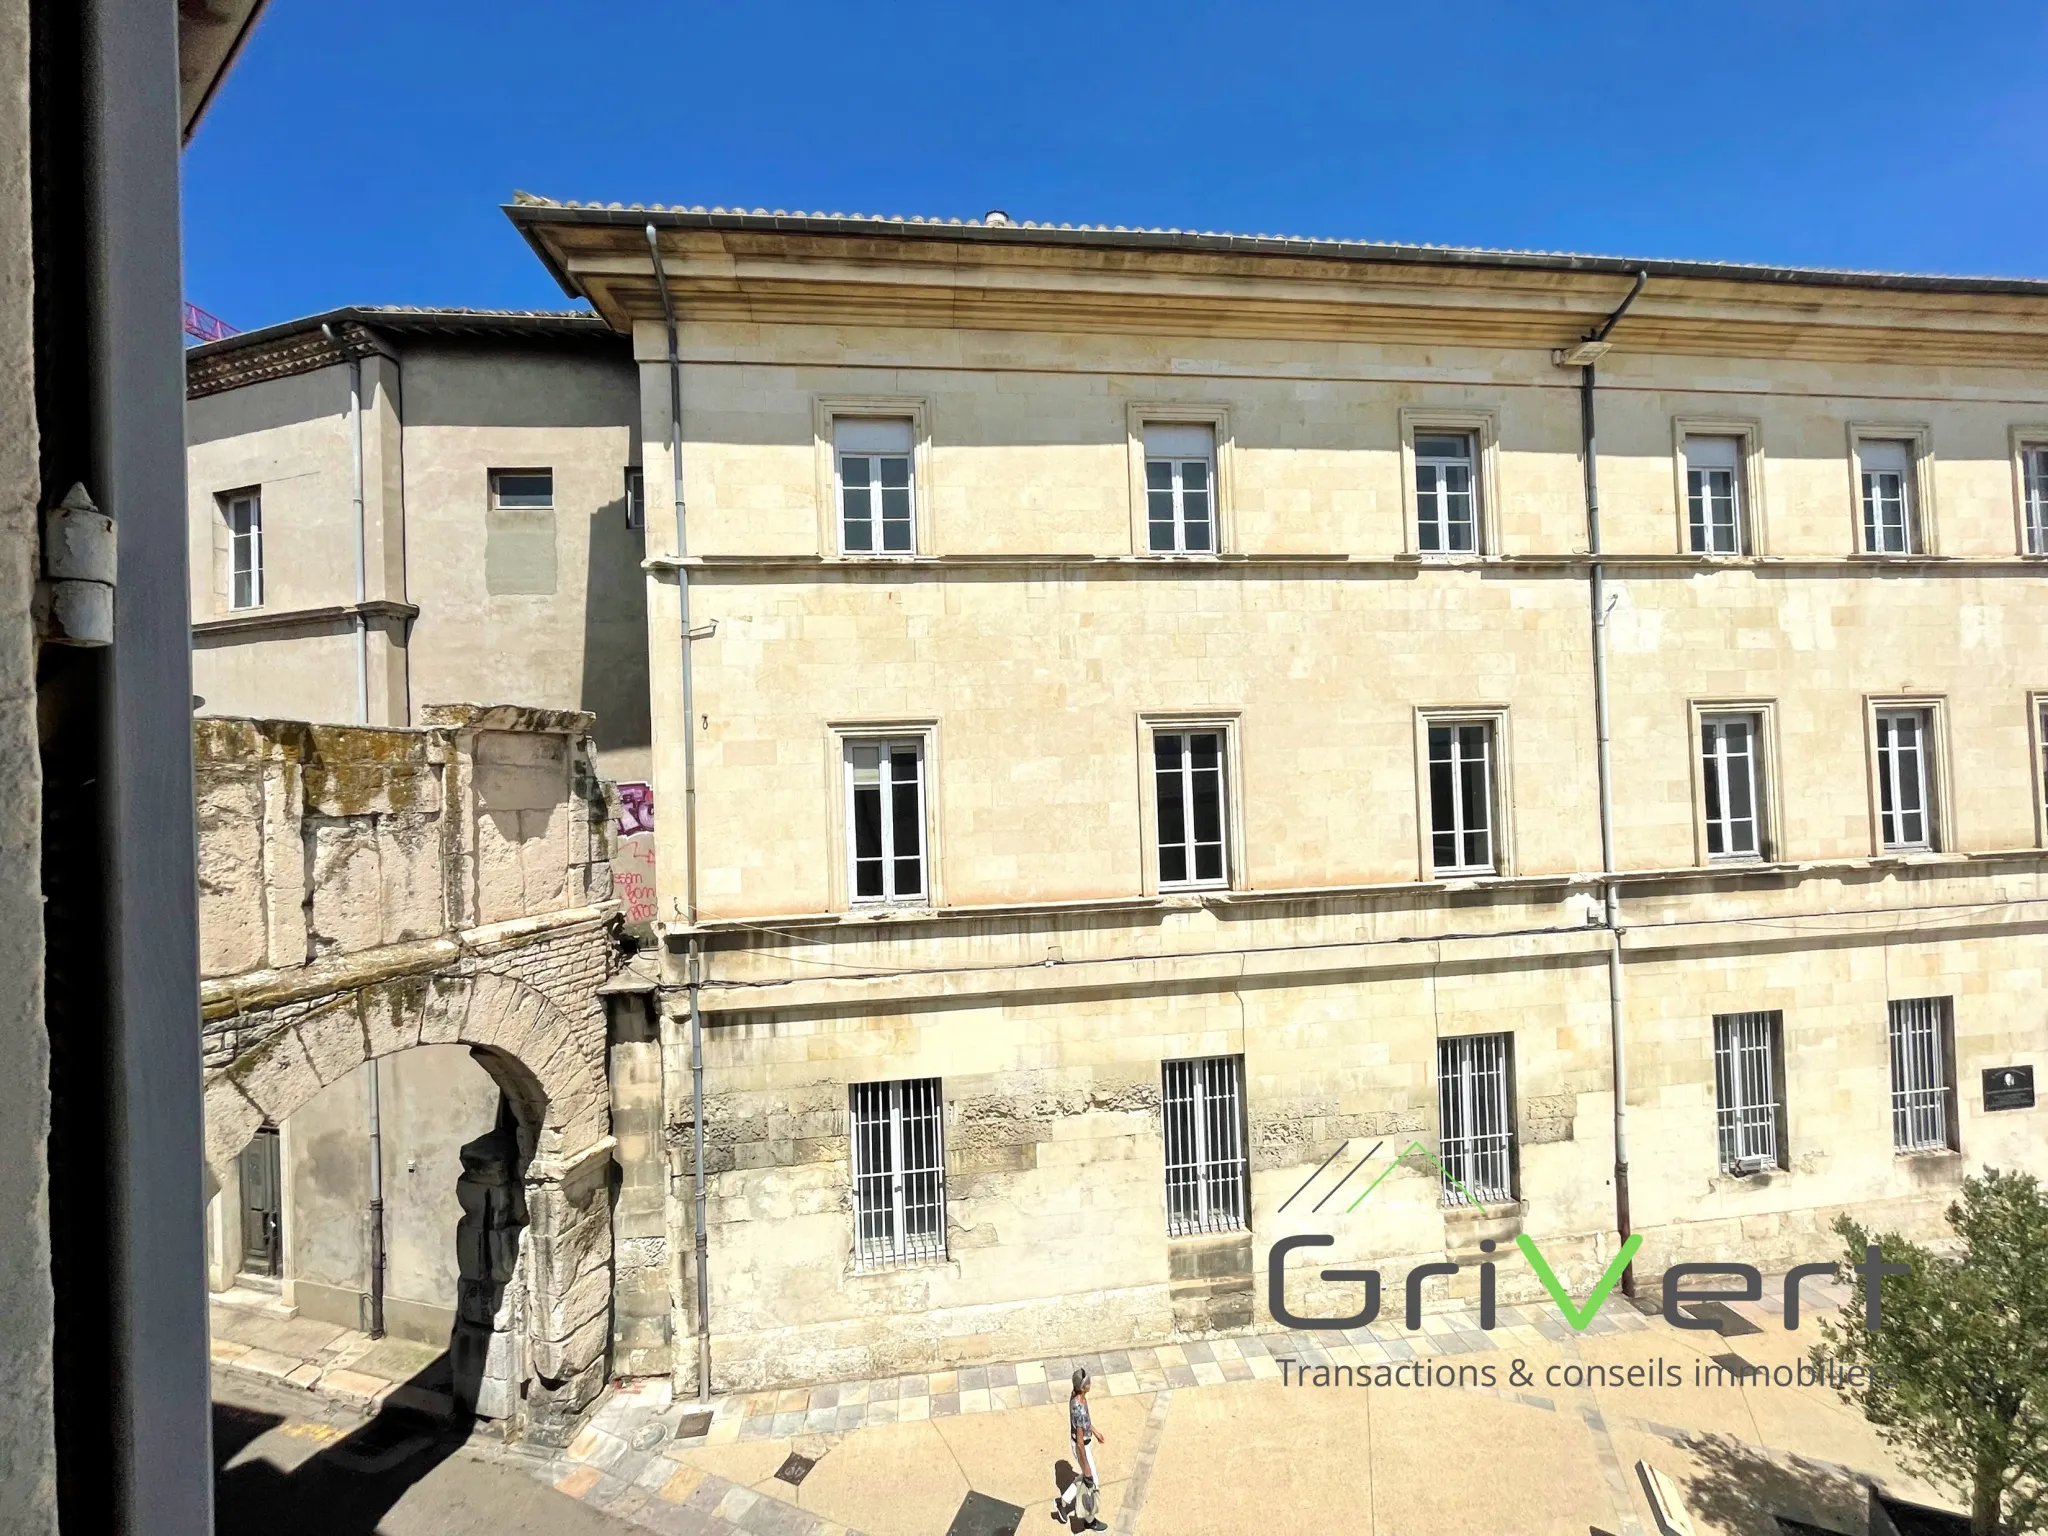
1958,1366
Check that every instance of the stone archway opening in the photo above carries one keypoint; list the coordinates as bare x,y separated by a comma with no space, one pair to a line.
530,1342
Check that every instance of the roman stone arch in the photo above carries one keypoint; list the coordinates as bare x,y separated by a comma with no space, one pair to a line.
544,1353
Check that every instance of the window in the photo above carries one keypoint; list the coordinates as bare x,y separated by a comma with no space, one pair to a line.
1446,497
1188,769
876,493
1749,1101
1180,495
636,497
899,1174
2041,726
1713,494
1889,516
522,488
1205,1163
2034,497
1923,1106
1730,778
1461,779
243,512
1475,1118
1905,788
885,820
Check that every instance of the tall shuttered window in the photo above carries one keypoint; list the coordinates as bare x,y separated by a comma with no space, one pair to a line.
1476,1118
1188,771
1923,1092
243,513
1732,783
1749,1103
1205,1162
1461,797
885,821
1905,779
899,1173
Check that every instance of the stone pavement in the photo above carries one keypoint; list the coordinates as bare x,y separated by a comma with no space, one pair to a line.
254,1333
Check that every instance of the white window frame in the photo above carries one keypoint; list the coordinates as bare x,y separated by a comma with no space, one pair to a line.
2037,734
1888,765
636,498
827,411
1202,1132
1916,487
1749,1092
1138,416
1747,433
1184,836
1705,531
1433,522
1500,799
497,477
877,463
1477,1151
248,538
887,745
1920,1037
1710,768
1170,473
896,1135
1482,428
2030,488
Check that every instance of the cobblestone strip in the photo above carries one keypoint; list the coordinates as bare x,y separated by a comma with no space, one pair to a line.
1141,1465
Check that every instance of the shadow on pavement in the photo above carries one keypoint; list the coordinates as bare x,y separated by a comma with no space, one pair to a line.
1739,1489
345,1488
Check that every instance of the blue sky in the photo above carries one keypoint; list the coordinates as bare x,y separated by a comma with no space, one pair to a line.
358,154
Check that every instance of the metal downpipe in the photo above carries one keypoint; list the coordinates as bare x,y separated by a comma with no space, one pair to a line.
700,1240
355,433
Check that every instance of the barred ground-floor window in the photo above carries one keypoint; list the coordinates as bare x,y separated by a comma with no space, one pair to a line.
1205,1161
899,1173
1923,1074
1476,1118
1748,1090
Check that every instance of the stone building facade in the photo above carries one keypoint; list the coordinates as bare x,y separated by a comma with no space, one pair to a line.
1146,766
385,907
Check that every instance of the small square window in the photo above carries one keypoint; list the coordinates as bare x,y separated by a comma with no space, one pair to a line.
1890,516
242,511
1446,494
1905,780
1190,790
899,1173
1713,495
636,497
533,488
885,821
1749,1094
875,469
1180,489
1462,797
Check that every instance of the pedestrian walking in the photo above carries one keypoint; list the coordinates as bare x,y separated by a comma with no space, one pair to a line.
1083,1493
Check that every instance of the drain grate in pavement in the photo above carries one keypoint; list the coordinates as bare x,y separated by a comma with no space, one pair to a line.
981,1515
1735,1365
1729,1323
694,1426
796,1469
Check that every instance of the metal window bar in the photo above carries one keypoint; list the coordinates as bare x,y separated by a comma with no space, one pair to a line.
899,1174
1904,813
1461,798
1921,1116
2034,472
245,552
1728,774
1713,511
885,820
1179,506
1205,1158
1446,515
1188,769
1475,1121
1747,1109
1887,515
875,488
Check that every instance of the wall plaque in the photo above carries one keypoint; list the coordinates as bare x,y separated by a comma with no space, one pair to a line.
2008,1088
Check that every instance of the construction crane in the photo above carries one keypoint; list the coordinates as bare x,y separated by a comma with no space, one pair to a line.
202,326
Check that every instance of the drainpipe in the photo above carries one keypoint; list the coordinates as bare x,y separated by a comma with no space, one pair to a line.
1585,357
376,1207
700,1239
355,432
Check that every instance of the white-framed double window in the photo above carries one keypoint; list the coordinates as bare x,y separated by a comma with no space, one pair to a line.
2034,497
1922,1036
1891,514
1462,797
242,512
899,1173
1713,495
1749,1096
1731,784
1180,488
1906,786
874,460
1191,804
1476,1118
1203,1108
1446,493
885,821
